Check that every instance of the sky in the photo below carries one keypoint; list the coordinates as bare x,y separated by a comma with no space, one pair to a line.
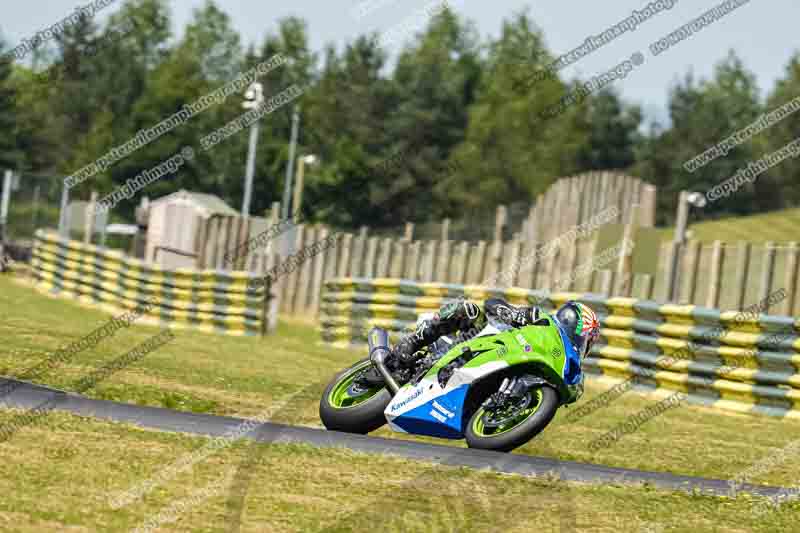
762,32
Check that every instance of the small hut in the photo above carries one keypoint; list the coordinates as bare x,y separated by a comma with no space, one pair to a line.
173,223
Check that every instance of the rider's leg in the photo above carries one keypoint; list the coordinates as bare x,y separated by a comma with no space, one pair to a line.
450,318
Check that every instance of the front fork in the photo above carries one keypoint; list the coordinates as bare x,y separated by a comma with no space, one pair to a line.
378,341
515,387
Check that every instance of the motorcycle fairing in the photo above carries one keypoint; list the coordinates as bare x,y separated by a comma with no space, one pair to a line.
428,409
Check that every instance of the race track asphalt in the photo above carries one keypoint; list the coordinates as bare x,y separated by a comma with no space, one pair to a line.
24,395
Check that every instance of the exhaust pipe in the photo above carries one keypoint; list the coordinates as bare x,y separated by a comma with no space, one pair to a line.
378,341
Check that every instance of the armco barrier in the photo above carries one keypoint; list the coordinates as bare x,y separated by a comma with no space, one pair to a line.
744,364
208,300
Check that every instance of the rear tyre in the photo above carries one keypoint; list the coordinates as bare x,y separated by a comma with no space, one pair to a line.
350,405
504,431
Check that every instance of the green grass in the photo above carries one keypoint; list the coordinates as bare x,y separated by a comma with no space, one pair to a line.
244,376
59,475
777,226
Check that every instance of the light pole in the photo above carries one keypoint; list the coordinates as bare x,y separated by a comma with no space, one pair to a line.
6,196
287,188
298,186
254,98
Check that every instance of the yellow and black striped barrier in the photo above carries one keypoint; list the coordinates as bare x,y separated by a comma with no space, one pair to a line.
726,359
208,300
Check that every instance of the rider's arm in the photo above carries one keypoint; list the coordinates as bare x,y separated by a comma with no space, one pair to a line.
512,315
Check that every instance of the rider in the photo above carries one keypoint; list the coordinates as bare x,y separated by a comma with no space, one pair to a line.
578,322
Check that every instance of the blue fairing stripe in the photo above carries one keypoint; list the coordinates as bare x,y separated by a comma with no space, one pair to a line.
572,365
442,420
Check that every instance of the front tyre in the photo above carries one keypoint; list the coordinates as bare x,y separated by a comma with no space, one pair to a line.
352,403
512,425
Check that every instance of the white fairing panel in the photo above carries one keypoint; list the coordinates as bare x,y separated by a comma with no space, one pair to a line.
428,409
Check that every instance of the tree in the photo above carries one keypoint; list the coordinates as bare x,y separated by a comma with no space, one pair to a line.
613,133
346,113
9,155
208,56
702,114
785,177
510,152
436,80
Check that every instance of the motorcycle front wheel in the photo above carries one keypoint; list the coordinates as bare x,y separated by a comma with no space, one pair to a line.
353,405
512,426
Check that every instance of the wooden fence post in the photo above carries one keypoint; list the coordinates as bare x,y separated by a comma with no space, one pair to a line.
588,285
283,285
530,226
319,265
305,273
399,253
715,280
265,307
412,266
742,274
384,258
344,257
369,259
648,284
767,271
500,220
445,230
625,261
791,273
427,262
443,262
526,265
511,263
606,282
690,269
670,274
458,267
330,259
291,292
243,235
496,251
648,202
475,265
274,292
408,234
88,224
552,259
493,263
359,248
227,231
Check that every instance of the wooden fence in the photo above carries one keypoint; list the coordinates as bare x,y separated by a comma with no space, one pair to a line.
575,200
718,275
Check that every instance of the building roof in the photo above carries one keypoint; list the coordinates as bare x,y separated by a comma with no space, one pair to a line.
209,203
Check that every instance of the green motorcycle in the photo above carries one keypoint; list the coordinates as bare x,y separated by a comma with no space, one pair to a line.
497,390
